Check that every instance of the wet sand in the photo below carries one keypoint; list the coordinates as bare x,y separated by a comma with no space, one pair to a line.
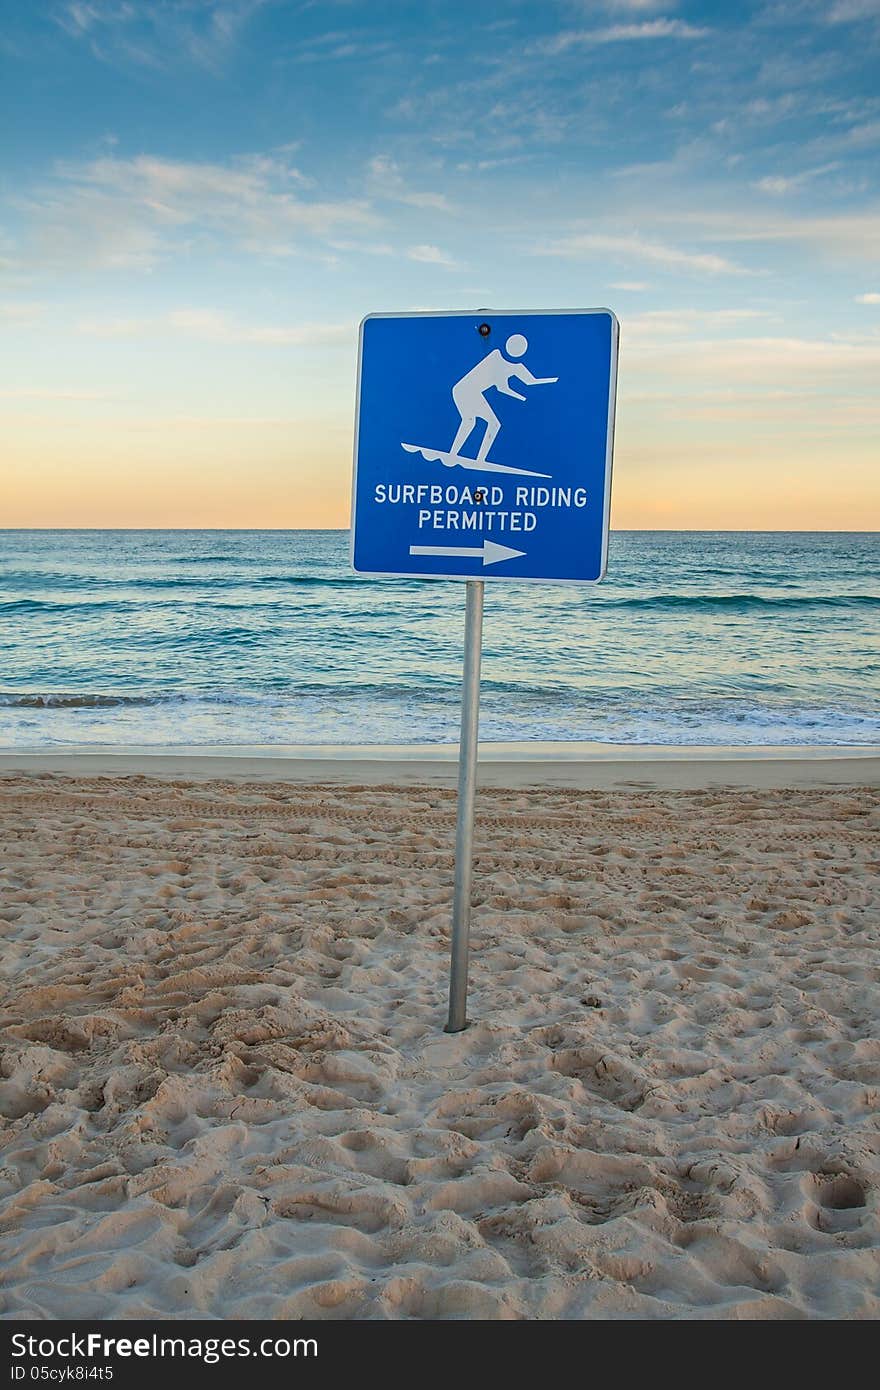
582,766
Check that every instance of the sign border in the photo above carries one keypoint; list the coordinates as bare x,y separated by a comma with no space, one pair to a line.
609,446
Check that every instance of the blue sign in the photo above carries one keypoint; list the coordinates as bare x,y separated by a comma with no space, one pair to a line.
483,445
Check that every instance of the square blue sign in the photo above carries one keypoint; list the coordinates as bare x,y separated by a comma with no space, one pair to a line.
483,445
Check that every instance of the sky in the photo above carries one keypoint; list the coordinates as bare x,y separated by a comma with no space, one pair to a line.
200,199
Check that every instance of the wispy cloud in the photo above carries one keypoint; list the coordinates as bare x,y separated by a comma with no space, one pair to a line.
621,33
385,180
781,184
341,45
770,362
861,135
83,16
872,297
852,11
362,248
635,248
431,255
158,33
844,235
128,213
212,325
21,312
652,322
52,393
636,6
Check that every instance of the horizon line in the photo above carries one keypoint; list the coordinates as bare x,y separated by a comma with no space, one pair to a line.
345,530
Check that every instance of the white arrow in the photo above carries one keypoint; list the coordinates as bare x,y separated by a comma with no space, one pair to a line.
489,552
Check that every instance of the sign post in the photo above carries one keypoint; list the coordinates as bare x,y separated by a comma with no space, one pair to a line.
428,501
467,786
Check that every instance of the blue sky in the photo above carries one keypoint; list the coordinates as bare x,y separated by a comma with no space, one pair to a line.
201,199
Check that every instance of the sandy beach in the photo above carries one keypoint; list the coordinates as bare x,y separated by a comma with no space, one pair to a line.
226,1090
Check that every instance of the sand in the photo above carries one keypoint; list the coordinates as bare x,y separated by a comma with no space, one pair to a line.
584,766
226,1090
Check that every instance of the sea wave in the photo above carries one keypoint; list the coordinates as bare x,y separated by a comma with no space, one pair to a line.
432,686
746,603
374,712
652,603
88,700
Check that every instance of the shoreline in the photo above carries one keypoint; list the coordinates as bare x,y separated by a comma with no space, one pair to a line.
579,766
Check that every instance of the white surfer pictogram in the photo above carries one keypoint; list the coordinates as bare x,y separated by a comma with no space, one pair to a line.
469,395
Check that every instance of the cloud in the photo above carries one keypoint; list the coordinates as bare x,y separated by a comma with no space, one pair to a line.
870,298
129,213
215,327
652,322
483,166
212,325
81,17
385,180
780,184
621,33
17,311
340,45
363,248
863,135
769,362
438,201
633,286
852,11
51,393
844,236
158,33
635,248
431,255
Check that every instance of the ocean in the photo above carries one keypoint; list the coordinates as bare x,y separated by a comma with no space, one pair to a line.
250,637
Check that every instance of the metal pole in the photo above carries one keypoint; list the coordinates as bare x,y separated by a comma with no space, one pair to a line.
467,785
